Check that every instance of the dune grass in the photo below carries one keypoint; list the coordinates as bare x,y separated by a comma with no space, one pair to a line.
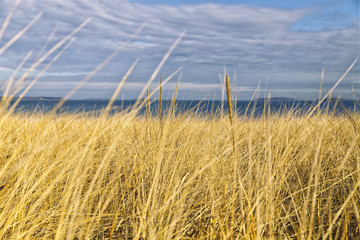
168,176
123,177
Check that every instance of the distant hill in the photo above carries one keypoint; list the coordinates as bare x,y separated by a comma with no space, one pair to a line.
38,98
278,99
283,99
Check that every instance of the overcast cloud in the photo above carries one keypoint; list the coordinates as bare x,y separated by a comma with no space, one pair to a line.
259,43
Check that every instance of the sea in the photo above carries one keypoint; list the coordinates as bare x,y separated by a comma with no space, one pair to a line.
255,107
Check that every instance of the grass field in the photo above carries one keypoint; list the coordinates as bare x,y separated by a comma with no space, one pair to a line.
123,177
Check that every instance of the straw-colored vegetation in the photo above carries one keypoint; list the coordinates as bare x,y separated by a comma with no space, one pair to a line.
168,176
127,177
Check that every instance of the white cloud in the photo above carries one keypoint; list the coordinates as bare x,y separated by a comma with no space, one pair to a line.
257,42
6,69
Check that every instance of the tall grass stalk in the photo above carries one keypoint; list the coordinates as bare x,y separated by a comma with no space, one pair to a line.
121,84
19,34
89,177
139,104
329,94
321,83
157,69
161,96
228,94
148,100
76,176
8,18
11,79
32,83
173,103
97,69
235,95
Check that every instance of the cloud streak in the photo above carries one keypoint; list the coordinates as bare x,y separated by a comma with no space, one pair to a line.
257,42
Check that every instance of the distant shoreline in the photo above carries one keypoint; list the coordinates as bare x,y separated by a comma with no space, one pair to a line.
37,98
276,99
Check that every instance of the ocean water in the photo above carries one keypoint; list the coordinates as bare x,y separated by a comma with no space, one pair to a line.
257,107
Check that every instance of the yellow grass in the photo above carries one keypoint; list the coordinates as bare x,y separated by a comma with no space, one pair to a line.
124,177
121,176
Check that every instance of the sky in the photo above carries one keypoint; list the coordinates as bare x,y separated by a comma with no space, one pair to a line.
277,48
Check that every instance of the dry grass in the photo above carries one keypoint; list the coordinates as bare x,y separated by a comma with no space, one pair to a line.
174,177
127,177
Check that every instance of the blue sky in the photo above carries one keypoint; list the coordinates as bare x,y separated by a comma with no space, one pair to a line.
283,44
